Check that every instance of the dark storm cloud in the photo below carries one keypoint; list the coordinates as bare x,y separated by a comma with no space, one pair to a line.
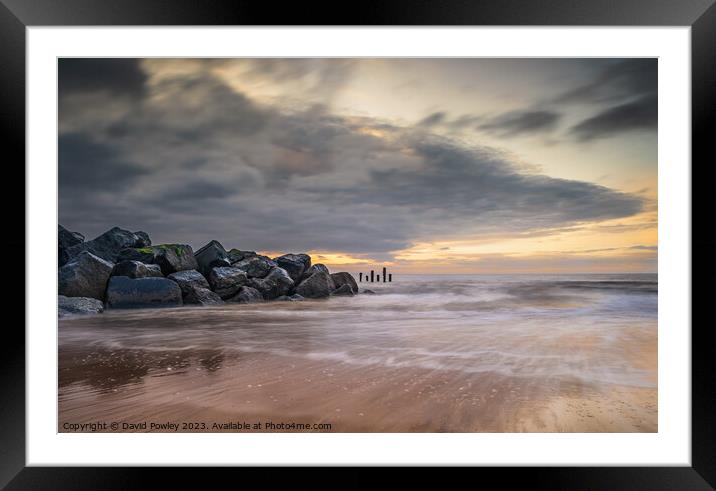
205,108
305,145
641,114
86,166
464,121
618,87
197,190
115,75
521,122
619,80
628,88
433,119
195,160
478,189
301,224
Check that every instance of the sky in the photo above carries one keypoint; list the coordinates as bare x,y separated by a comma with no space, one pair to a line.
446,165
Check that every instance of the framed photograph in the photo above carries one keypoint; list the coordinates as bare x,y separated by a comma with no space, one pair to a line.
424,236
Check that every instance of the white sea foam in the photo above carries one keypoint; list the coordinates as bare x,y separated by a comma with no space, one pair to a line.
582,327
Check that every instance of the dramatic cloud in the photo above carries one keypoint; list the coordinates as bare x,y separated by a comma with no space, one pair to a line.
641,114
116,75
620,80
624,93
478,190
433,119
87,166
521,122
193,157
313,75
629,87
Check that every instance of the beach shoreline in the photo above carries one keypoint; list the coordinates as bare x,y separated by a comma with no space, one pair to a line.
469,354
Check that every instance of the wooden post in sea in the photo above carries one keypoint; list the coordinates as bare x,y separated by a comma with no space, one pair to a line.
371,276
385,276
360,276
390,278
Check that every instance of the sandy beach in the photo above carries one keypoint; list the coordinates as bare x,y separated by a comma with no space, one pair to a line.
355,399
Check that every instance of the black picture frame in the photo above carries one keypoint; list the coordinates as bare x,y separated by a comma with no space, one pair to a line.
700,15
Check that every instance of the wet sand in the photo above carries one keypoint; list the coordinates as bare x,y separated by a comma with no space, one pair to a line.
201,386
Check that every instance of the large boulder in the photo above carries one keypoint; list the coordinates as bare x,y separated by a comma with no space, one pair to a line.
318,285
135,269
195,288
256,266
65,240
315,269
202,296
170,257
344,278
212,255
276,283
247,295
124,292
236,255
78,305
85,275
189,280
294,264
226,281
343,290
144,255
143,239
109,244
